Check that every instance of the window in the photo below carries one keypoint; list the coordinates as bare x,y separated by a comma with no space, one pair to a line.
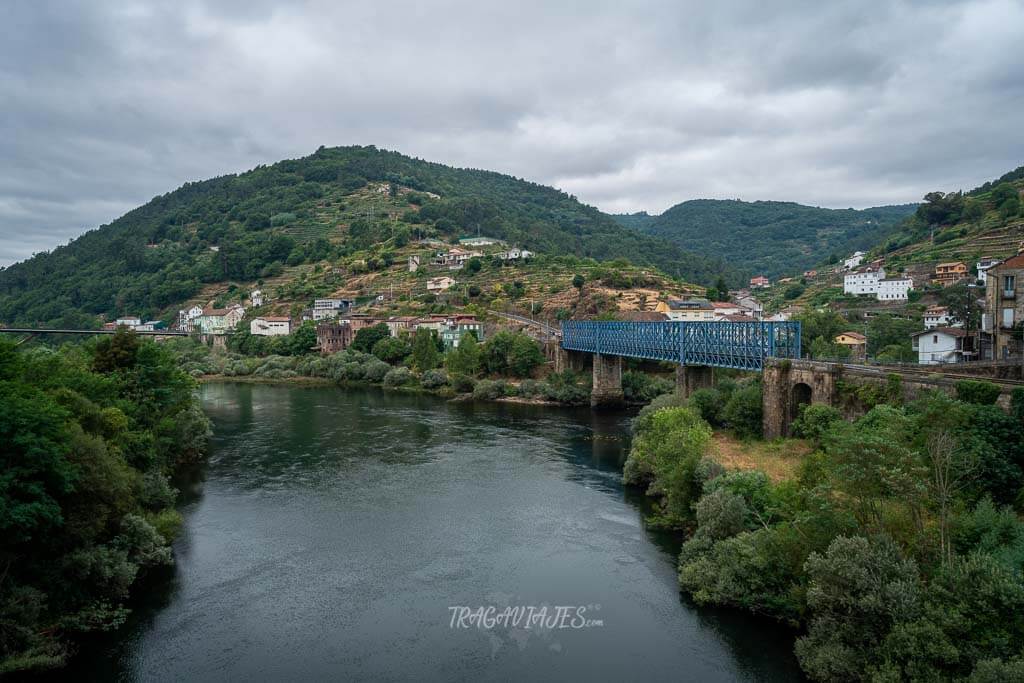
1008,317
935,339
1009,281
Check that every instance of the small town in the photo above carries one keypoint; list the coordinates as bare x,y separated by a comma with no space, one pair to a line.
550,341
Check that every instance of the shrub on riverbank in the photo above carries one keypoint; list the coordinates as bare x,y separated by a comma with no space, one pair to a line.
89,435
887,548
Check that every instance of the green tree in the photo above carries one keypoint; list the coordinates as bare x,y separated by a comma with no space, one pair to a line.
392,350
464,359
578,281
117,352
368,336
425,355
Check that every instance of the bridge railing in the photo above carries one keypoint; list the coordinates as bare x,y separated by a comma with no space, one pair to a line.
740,345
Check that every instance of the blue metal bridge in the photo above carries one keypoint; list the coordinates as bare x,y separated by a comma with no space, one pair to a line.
739,345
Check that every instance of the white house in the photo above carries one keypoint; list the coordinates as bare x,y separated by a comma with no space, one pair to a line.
938,316
414,263
983,266
219,320
478,241
270,326
854,261
329,308
864,281
894,289
129,321
256,297
440,284
942,345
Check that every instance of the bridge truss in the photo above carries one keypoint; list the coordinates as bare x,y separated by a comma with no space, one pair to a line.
739,345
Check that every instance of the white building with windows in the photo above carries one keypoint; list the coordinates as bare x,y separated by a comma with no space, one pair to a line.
864,281
983,265
854,261
329,308
938,316
270,326
942,345
256,297
894,289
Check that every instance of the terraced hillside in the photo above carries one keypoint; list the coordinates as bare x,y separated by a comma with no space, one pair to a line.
319,210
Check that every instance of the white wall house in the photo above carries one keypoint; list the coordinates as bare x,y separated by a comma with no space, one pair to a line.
329,308
938,316
941,345
128,321
270,326
439,284
983,266
863,281
854,261
895,289
256,297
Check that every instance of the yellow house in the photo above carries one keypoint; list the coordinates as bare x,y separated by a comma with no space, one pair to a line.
688,310
855,341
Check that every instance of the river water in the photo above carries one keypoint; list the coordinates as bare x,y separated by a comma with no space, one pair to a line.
332,533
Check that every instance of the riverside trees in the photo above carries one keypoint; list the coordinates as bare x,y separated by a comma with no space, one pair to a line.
89,435
898,547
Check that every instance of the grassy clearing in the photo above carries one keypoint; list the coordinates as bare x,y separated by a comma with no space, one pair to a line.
778,459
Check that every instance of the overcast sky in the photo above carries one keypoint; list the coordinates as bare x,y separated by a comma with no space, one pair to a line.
628,105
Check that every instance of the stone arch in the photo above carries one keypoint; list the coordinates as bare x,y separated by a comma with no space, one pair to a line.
801,394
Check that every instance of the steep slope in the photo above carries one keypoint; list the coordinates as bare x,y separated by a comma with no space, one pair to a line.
323,207
773,238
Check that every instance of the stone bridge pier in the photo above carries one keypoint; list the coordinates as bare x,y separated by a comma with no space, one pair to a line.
690,378
788,384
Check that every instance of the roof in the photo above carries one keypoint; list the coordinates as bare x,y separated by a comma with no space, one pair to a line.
737,318
951,263
724,304
641,316
951,331
690,305
1012,262
936,310
852,335
274,318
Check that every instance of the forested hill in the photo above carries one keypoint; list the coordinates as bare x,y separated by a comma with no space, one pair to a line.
323,207
773,238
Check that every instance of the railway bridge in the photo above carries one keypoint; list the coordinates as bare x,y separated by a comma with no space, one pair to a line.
771,348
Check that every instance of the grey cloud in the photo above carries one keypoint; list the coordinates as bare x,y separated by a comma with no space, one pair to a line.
629,106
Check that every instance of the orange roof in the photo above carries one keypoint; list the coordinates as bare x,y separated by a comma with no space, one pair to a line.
853,335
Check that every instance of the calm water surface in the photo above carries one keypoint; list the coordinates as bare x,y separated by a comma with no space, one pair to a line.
332,530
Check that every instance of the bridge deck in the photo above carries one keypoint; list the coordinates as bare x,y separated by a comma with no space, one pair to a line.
739,345
148,333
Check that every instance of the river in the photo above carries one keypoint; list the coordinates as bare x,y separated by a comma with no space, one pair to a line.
332,532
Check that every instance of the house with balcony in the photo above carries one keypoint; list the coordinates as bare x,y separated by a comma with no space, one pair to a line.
853,261
950,273
1004,307
938,316
760,282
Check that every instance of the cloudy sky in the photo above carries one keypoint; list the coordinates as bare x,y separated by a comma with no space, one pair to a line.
628,105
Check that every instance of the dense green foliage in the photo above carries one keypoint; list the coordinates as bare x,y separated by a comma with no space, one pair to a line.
89,435
897,547
241,227
771,238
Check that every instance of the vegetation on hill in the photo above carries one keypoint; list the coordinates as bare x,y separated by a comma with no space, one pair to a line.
985,222
322,207
770,238
898,547
89,435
